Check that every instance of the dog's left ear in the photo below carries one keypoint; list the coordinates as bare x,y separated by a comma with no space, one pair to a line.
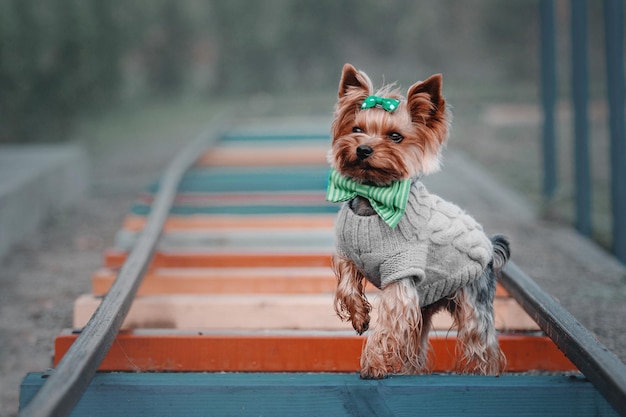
425,102
353,79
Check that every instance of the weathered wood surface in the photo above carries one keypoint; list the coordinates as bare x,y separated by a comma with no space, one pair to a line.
255,394
235,280
291,351
263,311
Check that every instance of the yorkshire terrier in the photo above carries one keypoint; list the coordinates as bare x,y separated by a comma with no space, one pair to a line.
424,253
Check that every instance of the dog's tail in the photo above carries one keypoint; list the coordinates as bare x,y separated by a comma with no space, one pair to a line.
501,251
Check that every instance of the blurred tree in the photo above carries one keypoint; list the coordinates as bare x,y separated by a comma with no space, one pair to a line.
57,59
168,49
61,58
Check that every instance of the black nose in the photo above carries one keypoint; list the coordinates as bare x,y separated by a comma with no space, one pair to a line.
364,151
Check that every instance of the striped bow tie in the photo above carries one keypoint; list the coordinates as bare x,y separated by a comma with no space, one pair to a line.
388,201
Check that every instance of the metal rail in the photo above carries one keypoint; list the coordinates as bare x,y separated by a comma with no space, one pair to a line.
601,366
65,385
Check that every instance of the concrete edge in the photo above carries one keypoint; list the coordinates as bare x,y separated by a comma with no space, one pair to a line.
520,208
35,182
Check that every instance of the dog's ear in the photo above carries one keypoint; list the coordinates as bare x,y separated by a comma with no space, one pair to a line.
428,112
425,101
353,79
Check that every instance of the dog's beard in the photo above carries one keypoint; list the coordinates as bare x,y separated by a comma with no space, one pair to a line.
389,162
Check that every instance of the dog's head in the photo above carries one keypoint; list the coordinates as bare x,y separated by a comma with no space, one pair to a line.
381,143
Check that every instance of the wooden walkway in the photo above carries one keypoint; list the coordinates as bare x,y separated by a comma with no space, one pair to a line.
240,282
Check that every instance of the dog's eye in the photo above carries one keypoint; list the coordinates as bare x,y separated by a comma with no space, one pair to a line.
396,137
357,129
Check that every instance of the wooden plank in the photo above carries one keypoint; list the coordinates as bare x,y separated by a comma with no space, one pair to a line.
282,240
182,223
263,311
276,156
252,179
114,259
244,198
258,209
304,394
222,311
290,351
293,280
274,136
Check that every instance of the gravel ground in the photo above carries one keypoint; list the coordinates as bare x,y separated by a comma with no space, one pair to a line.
41,277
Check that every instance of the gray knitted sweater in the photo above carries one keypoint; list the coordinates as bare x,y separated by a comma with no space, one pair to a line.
436,244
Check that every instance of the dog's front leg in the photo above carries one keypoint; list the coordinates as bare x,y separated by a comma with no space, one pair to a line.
395,344
350,301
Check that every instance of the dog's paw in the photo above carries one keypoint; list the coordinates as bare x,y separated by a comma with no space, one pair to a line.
361,326
373,373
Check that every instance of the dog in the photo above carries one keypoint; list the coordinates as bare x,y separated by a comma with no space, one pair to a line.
425,254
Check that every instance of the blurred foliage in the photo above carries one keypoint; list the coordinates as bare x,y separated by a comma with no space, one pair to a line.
60,59
56,57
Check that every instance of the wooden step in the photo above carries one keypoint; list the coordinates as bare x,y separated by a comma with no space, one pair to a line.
231,222
305,154
290,351
263,311
307,394
114,258
252,180
288,280
281,240
246,198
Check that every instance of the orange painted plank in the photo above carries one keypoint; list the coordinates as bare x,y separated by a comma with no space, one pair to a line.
199,222
307,280
114,258
276,156
289,352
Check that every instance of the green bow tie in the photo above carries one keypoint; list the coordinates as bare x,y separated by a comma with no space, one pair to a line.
388,201
389,104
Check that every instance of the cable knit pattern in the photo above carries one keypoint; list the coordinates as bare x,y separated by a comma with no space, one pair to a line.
436,244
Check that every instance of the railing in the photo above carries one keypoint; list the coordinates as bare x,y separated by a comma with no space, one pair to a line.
601,366
614,50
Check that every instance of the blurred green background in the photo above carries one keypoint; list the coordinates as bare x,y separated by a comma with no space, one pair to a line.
63,59
101,72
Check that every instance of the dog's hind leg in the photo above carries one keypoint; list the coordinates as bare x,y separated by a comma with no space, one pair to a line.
473,315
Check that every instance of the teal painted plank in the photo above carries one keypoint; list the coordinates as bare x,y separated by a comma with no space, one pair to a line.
143,210
252,179
287,137
298,394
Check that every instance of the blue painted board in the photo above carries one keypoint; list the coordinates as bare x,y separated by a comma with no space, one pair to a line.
252,179
299,394
287,137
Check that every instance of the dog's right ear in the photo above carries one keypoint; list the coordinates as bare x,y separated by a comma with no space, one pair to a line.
353,79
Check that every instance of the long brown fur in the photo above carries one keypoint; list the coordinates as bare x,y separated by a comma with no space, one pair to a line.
399,341
421,119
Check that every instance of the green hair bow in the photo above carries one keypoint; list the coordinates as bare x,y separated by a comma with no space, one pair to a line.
389,104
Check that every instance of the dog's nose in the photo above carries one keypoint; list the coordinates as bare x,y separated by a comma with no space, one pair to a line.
364,151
